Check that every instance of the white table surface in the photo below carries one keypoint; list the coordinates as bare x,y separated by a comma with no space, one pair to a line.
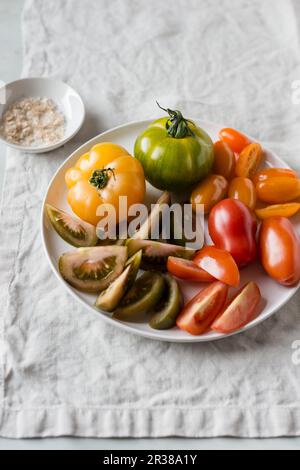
10,68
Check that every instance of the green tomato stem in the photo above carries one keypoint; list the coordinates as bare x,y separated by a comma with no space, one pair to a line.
100,178
177,126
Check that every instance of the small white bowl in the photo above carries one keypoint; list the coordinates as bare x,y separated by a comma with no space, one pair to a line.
66,98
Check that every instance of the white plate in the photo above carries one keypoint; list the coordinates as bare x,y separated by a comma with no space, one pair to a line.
275,296
66,98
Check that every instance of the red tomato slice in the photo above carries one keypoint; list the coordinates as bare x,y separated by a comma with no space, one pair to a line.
219,264
242,310
235,139
187,270
201,311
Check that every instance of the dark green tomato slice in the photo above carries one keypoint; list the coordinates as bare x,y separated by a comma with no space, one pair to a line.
144,295
110,298
74,231
93,269
168,309
155,254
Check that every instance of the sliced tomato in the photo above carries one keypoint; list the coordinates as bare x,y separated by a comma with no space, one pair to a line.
201,311
242,310
187,270
219,264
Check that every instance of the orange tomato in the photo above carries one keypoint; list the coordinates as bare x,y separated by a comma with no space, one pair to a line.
249,161
278,190
243,190
209,192
219,264
224,161
235,139
278,210
100,177
280,250
273,172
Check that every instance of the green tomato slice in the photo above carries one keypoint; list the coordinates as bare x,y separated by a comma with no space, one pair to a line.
168,309
144,295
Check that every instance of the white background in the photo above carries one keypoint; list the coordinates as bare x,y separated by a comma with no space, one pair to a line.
10,68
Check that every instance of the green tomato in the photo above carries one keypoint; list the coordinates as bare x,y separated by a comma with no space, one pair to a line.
174,152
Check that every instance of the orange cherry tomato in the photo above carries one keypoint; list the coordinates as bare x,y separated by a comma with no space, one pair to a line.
235,139
243,190
224,162
278,190
242,310
209,192
280,250
219,264
278,210
249,161
201,311
273,172
187,270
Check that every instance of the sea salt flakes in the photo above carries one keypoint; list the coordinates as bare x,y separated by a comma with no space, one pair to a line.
33,122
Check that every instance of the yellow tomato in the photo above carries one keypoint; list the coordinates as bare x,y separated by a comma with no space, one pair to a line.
243,190
209,192
101,177
278,210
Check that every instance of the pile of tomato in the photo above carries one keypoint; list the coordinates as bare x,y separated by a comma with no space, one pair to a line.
248,206
248,212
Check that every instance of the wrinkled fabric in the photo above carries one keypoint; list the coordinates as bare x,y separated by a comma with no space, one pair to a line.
66,372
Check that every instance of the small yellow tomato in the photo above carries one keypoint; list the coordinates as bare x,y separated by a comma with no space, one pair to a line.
243,190
249,161
278,210
209,192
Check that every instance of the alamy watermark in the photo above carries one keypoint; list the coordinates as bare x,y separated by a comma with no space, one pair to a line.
177,222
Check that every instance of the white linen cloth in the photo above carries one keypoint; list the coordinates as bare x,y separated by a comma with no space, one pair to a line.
65,372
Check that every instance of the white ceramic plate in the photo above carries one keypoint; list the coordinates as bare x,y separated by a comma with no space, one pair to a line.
274,295
66,98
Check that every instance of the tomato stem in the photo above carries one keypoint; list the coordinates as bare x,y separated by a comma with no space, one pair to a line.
177,126
100,178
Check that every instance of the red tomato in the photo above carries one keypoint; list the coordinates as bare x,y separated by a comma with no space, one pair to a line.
280,250
186,269
219,264
235,139
233,227
200,312
241,311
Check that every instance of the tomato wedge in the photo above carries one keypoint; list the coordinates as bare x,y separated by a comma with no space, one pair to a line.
219,264
241,311
201,311
278,210
187,270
